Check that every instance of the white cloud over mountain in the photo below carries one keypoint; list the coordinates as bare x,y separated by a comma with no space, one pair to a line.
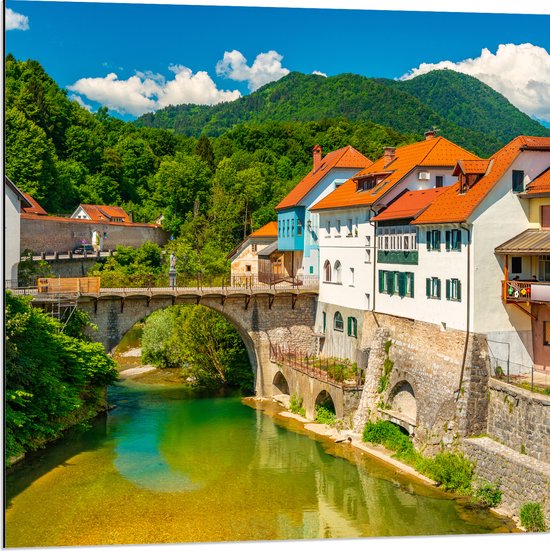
146,91
320,74
16,21
267,67
520,72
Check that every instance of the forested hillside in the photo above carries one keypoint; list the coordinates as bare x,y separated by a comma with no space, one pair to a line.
462,108
211,191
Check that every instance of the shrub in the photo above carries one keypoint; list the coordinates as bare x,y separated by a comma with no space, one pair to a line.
391,437
296,405
324,415
531,516
488,495
452,471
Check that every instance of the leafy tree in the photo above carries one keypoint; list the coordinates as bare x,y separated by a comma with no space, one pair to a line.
205,152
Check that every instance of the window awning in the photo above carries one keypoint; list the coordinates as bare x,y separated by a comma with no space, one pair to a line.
527,243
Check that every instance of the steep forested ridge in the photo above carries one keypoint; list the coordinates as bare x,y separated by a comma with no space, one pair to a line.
464,109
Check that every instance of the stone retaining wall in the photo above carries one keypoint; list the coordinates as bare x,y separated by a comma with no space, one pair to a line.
519,419
522,478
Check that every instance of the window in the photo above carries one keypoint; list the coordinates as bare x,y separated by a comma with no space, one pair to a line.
352,277
405,284
386,282
439,181
254,247
248,268
433,240
328,228
517,267
453,240
338,227
367,255
352,327
292,227
338,322
433,287
350,227
545,218
452,289
517,181
544,268
311,269
324,322
328,271
299,230
546,335
338,271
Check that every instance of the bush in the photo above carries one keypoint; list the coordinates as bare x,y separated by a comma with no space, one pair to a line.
531,516
391,437
488,495
296,405
324,415
452,471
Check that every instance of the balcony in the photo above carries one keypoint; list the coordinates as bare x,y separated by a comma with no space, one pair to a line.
397,257
525,291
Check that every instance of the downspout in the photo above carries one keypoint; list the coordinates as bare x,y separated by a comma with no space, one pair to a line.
467,314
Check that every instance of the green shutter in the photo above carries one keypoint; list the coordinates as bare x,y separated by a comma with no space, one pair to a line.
428,287
438,287
458,240
391,282
349,326
381,287
411,284
402,283
448,240
447,289
429,240
458,290
437,239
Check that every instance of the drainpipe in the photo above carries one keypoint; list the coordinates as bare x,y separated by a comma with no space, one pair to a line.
466,227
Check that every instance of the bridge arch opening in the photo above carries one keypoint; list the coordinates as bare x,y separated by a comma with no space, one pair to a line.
280,384
324,400
403,400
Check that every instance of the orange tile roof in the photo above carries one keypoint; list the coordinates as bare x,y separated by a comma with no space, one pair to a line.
539,185
269,230
347,157
35,207
471,166
105,212
409,205
437,152
453,206
84,221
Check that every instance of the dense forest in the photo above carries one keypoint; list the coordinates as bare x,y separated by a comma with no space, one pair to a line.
462,108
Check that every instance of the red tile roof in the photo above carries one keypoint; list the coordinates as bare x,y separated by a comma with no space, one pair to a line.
347,157
35,207
84,221
409,205
471,167
436,152
269,230
540,185
100,213
453,206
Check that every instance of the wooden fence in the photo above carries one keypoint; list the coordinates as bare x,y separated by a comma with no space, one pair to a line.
68,285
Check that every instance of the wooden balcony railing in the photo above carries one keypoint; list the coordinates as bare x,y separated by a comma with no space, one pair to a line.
525,291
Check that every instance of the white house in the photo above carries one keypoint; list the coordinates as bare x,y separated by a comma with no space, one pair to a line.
347,244
14,202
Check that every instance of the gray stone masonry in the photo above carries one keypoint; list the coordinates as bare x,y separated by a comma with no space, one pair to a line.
522,478
520,419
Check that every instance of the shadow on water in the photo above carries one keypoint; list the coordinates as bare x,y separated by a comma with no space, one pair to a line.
75,441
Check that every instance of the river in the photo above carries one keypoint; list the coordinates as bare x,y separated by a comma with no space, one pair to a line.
171,464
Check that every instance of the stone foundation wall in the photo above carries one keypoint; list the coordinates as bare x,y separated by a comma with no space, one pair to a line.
519,419
522,479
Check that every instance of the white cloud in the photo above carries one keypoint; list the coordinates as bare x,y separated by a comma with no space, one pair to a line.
320,74
521,73
80,102
146,91
15,21
266,68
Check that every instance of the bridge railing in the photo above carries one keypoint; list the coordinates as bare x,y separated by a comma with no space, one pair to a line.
334,371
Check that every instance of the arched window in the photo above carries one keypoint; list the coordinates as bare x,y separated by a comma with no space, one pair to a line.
338,272
328,271
338,322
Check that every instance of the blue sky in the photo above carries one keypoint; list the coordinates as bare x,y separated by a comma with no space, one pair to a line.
80,44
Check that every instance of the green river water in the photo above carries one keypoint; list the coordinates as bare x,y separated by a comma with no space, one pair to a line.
170,464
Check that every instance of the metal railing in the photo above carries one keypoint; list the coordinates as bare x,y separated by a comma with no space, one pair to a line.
318,368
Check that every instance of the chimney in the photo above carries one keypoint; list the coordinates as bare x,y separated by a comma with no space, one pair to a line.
389,155
317,156
429,135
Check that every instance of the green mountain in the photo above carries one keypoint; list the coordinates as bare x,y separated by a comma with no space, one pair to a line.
462,108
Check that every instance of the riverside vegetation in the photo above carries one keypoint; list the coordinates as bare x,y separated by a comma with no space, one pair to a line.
53,379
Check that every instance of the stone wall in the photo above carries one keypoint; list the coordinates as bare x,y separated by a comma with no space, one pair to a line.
429,362
54,234
519,419
76,267
522,478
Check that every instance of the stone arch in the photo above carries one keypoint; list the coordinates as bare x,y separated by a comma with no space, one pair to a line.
324,399
280,384
402,398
